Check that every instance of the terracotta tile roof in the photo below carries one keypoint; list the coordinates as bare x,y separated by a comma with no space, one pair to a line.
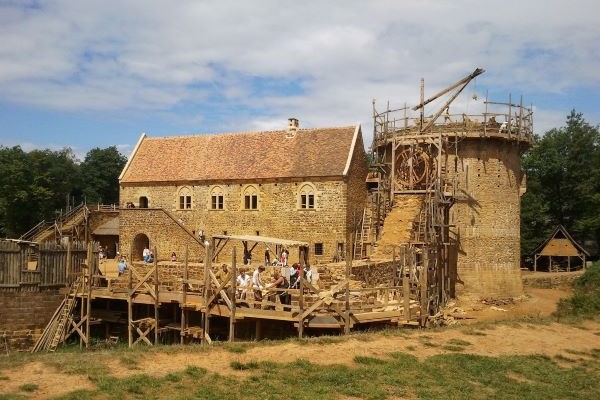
232,156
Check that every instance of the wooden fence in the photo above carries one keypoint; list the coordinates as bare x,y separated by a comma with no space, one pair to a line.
28,266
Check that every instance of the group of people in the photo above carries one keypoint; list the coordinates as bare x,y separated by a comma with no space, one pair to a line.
280,260
246,284
148,255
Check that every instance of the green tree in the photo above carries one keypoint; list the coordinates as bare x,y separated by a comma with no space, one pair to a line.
33,185
56,180
563,179
100,172
15,176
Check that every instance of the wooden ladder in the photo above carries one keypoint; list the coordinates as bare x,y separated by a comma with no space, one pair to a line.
364,236
54,333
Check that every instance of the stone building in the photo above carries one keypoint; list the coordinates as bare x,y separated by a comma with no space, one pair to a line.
298,184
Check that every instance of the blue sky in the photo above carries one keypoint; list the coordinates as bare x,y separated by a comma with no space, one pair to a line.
86,74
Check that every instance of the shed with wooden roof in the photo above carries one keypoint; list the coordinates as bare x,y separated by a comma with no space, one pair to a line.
557,252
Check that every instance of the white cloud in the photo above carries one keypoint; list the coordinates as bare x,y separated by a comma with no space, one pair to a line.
29,146
157,55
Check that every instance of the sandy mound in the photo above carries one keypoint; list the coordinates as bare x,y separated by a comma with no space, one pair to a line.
398,225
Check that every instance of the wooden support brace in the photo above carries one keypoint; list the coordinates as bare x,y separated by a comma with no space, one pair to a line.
310,310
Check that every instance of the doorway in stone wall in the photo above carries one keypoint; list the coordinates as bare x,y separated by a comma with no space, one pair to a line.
140,242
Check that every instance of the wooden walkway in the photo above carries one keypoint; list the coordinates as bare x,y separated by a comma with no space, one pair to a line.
151,291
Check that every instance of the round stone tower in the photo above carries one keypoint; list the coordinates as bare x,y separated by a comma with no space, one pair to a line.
485,216
467,168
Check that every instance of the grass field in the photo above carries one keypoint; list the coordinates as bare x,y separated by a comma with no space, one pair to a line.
529,358
453,372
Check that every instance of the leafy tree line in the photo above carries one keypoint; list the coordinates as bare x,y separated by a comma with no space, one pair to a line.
563,185
33,185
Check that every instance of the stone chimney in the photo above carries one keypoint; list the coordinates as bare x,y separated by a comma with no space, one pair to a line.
293,125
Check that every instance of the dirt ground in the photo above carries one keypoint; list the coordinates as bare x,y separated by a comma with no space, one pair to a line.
490,339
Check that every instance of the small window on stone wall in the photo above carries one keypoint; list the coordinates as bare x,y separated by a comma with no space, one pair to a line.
318,249
250,198
143,202
216,198
307,197
185,198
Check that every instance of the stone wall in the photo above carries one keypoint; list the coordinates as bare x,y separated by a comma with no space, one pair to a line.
356,190
486,217
278,213
139,227
23,316
547,280
98,218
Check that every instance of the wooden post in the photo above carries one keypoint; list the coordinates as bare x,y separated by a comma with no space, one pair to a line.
301,305
445,261
130,301
405,284
535,258
89,296
423,284
69,279
83,278
568,263
156,297
394,267
393,170
233,296
258,330
184,312
347,294
207,285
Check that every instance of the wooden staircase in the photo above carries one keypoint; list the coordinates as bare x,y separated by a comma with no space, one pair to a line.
68,224
55,331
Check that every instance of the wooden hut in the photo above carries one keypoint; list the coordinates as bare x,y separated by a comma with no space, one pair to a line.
556,252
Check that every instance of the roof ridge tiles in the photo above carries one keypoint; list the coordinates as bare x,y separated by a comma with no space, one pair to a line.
204,134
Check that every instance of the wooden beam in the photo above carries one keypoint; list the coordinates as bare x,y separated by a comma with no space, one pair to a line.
207,271
218,249
156,298
88,300
312,308
301,304
130,302
424,296
144,280
234,291
347,294
184,311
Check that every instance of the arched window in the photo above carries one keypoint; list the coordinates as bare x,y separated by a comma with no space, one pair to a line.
143,202
216,198
250,198
185,198
307,197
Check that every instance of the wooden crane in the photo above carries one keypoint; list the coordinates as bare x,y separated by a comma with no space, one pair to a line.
460,85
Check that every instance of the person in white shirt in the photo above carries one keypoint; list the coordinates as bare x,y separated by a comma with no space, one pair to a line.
242,281
257,284
308,273
284,257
